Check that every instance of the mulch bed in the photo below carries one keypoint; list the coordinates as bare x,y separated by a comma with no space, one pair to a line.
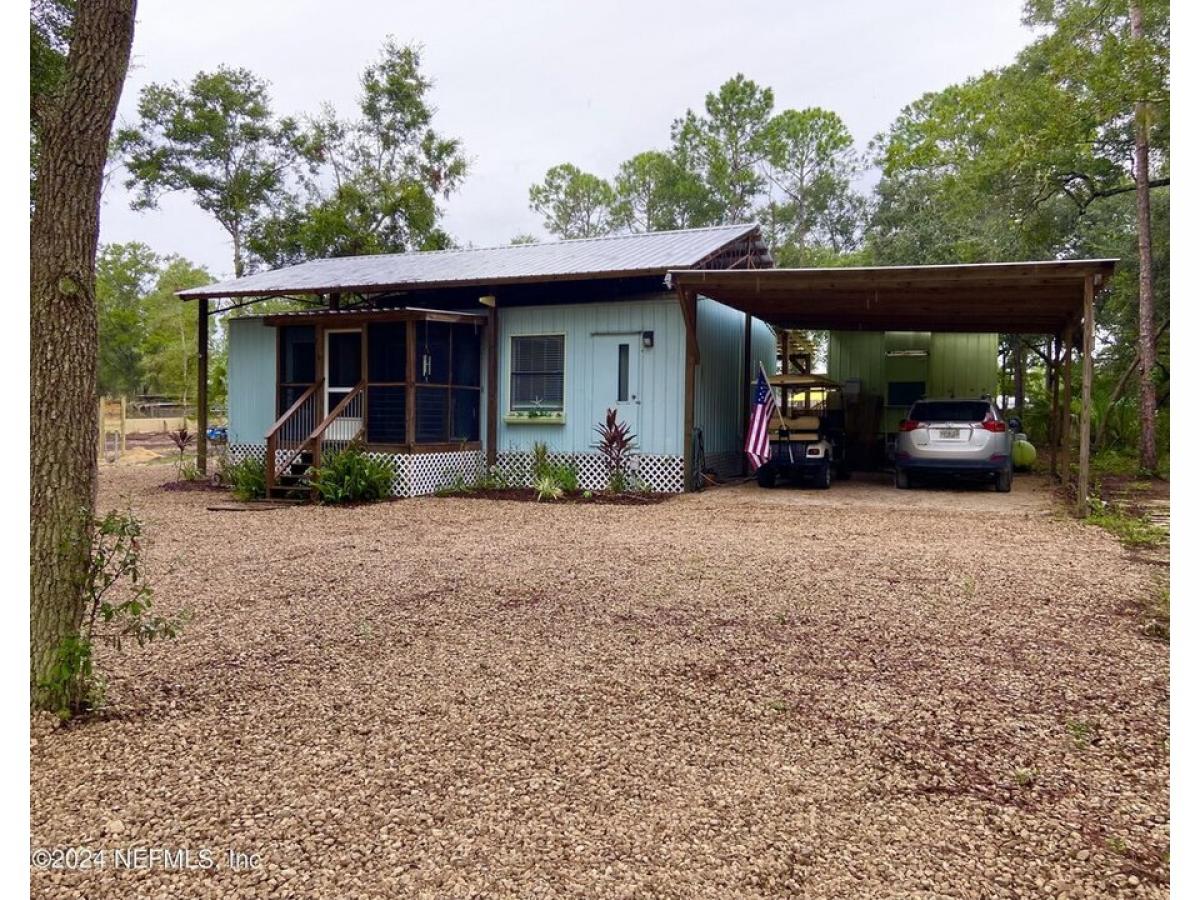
529,495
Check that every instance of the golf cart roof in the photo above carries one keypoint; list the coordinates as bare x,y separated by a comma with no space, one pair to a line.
808,381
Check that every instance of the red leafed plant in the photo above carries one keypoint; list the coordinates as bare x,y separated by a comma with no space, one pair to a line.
616,442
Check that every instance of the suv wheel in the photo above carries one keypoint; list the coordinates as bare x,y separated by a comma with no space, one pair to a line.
902,480
1004,479
766,475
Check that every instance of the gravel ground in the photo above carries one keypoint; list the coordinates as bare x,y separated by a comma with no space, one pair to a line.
859,692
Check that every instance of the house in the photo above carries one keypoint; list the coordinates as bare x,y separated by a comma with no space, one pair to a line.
445,362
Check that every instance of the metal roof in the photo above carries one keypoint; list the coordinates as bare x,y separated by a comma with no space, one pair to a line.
614,256
1038,297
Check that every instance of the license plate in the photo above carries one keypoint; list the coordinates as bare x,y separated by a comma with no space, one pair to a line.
948,432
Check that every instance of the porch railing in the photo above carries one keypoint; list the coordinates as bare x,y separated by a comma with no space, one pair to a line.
345,424
301,429
287,438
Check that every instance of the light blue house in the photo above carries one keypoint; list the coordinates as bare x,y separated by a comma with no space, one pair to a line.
446,362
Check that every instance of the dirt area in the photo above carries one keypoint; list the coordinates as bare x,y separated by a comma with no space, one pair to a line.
852,693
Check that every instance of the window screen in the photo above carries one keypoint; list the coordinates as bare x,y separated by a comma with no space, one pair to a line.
537,372
433,353
299,348
387,355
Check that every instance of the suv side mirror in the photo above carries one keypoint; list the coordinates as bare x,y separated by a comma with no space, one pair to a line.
1014,424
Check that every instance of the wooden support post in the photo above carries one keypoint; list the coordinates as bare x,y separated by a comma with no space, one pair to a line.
687,302
1052,373
1064,425
410,389
123,424
201,386
1085,395
493,383
748,375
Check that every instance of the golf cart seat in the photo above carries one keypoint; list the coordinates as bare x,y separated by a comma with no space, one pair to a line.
803,428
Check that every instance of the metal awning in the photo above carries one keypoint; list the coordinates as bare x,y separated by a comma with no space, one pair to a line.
1011,298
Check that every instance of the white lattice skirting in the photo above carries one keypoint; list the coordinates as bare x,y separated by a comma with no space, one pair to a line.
417,474
659,473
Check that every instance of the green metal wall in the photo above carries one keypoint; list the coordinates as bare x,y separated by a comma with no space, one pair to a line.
957,365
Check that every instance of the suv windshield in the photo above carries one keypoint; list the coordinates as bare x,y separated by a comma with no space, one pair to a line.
949,411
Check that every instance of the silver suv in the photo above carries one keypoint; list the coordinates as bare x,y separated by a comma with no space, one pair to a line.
955,437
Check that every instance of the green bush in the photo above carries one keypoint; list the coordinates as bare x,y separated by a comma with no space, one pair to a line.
118,609
350,475
547,488
247,479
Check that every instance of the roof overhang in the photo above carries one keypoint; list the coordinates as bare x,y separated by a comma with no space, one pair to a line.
1011,298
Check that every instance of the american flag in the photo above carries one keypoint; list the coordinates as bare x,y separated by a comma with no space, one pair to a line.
758,435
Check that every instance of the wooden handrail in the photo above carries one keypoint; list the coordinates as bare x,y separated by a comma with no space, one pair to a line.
312,389
337,410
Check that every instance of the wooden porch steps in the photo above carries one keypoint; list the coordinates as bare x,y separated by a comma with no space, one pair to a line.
290,484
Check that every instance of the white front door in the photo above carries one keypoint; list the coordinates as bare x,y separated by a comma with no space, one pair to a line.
617,379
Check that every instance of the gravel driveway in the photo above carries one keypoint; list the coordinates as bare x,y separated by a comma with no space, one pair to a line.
853,693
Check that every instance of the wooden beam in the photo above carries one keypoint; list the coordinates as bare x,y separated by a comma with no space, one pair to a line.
744,395
1064,427
1085,396
687,300
202,386
493,384
410,392
1054,372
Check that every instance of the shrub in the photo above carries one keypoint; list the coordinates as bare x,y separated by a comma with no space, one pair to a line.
541,460
118,609
547,488
247,479
567,477
616,446
350,475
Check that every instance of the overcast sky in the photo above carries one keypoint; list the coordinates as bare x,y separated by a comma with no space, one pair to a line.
526,85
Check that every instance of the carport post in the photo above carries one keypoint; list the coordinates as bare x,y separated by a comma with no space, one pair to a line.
1052,423
201,386
687,306
747,378
1085,395
1064,425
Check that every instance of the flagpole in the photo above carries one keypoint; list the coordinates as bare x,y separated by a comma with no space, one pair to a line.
778,410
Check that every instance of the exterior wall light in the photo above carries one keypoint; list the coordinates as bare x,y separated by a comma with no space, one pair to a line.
648,339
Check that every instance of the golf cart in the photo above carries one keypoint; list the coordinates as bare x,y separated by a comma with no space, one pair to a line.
808,434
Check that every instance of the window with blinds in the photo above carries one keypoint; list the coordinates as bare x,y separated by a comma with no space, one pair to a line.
537,372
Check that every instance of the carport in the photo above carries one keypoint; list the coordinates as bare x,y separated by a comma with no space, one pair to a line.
1054,298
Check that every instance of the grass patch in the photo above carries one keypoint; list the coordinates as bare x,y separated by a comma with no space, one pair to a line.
1131,530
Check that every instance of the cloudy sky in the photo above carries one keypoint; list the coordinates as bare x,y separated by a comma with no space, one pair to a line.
527,84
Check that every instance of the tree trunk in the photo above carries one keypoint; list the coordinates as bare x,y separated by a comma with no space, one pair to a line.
63,231
1141,174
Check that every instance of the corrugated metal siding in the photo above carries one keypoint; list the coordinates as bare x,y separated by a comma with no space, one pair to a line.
721,381
251,380
764,346
661,414
963,365
650,252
